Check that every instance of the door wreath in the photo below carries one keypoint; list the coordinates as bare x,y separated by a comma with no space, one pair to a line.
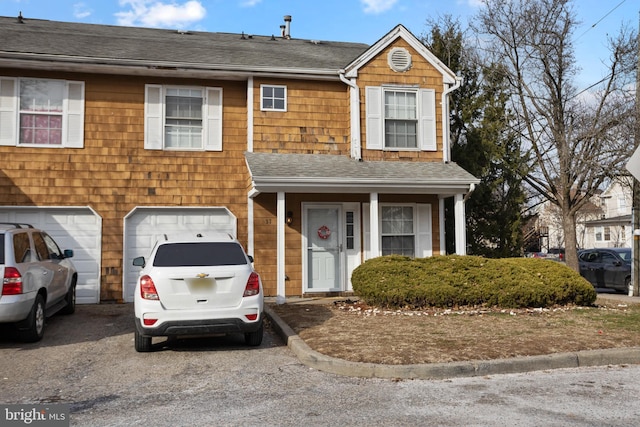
324,232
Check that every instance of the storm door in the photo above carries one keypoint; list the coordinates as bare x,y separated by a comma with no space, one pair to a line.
324,248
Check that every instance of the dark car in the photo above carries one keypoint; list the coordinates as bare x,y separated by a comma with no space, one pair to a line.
606,268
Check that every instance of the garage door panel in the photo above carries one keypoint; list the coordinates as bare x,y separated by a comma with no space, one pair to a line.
76,228
145,226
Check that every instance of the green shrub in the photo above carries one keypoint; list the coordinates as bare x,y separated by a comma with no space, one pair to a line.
453,280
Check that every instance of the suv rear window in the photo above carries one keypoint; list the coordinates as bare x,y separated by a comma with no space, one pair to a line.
199,254
21,247
1,248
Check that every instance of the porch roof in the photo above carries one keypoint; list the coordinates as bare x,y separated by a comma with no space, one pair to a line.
616,220
324,173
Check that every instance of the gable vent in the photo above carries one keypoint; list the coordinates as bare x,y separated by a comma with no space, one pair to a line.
399,59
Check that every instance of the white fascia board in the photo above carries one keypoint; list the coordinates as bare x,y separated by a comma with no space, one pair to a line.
400,31
273,185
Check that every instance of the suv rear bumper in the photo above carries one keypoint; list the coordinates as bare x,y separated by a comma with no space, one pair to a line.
14,308
199,327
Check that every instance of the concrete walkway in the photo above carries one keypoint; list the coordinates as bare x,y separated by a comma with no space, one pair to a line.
319,361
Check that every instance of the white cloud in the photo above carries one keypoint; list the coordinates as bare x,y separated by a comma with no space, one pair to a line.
377,6
81,10
475,3
154,13
250,3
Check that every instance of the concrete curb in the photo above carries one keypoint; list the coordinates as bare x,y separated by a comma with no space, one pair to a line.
433,371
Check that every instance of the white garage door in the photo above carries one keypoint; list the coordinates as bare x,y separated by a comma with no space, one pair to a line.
77,228
144,226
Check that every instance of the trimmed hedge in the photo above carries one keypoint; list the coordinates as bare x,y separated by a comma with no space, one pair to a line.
453,280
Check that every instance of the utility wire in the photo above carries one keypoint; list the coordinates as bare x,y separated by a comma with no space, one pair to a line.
601,19
589,29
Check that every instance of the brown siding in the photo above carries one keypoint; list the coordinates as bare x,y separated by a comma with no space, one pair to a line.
421,74
316,120
113,173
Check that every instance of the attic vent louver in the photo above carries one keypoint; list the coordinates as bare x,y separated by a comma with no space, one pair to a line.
399,59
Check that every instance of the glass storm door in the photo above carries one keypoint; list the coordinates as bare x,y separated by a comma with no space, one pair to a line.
324,247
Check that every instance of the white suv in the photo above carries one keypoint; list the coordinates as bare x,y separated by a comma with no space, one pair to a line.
38,279
198,286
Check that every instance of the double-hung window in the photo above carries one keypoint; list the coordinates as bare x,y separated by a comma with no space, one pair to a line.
183,118
273,98
400,118
41,112
397,230
603,234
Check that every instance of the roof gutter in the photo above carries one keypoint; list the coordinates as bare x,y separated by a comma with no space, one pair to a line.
142,68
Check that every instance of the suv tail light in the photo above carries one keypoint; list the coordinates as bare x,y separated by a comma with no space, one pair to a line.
11,282
148,288
253,285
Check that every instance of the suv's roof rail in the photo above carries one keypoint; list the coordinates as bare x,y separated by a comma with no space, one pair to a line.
17,224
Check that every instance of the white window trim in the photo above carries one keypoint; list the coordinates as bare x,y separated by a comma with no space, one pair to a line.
262,108
154,118
426,118
600,230
414,219
422,217
72,113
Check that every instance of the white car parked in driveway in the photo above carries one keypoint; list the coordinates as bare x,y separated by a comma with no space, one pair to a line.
204,285
38,279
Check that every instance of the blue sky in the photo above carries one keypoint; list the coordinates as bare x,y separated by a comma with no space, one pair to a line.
342,20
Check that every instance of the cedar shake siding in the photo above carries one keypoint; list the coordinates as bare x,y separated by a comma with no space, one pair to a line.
269,138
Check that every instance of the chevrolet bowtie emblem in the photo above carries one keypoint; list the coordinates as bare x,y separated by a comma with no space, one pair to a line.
202,275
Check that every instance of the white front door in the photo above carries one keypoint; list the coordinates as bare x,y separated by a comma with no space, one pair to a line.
324,248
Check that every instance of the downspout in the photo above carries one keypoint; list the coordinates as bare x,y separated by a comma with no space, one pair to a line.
356,147
445,117
472,187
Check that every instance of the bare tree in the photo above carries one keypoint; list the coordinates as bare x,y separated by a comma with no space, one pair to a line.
577,139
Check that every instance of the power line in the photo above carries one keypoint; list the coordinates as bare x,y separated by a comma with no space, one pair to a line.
601,19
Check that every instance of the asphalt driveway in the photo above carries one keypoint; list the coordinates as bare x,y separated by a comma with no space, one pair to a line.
88,361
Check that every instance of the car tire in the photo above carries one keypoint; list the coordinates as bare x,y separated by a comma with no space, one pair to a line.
32,328
70,308
254,339
141,342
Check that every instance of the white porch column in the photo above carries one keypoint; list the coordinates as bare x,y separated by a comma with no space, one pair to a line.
250,227
443,240
280,226
373,225
460,225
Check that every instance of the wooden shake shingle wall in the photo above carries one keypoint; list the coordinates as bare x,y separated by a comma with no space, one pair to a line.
270,164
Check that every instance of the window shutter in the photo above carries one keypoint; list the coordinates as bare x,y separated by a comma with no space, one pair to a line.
213,120
424,243
8,110
374,118
73,130
366,231
153,117
428,120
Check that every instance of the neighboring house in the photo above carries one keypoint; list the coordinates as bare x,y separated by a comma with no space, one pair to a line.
613,229
317,155
604,222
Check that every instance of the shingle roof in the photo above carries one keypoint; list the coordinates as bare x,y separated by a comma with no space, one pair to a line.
108,44
322,172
